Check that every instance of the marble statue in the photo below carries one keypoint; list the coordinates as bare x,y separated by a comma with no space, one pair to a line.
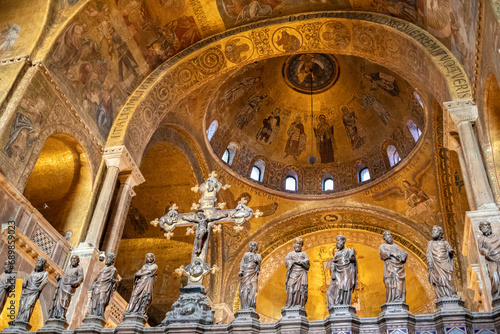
32,287
103,287
66,287
249,277
489,246
344,269
297,265
440,264
202,226
142,293
394,270
7,283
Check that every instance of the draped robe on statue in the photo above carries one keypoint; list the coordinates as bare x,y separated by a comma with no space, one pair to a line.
249,274
344,270
297,265
440,276
394,272
491,244
32,287
102,289
7,284
66,288
142,294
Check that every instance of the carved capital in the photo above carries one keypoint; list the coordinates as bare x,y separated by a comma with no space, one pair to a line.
119,156
461,110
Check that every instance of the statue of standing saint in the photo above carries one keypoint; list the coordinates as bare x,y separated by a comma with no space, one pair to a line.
103,287
142,294
394,270
7,283
32,287
440,264
489,246
344,269
66,287
297,265
201,229
249,277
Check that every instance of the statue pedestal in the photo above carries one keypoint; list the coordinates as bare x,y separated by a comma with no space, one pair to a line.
17,326
91,324
396,317
54,326
245,321
191,307
293,321
451,314
342,318
132,323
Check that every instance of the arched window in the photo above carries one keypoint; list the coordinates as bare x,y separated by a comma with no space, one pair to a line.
393,155
417,97
229,153
257,172
363,172
414,130
225,156
328,184
212,129
291,183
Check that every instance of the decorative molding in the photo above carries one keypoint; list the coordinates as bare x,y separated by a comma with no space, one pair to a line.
461,110
119,156
15,59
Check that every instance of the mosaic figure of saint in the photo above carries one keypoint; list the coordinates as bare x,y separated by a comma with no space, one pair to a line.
383,81
352,127
325,140
414,195
367,101
296,142
270,127
247,113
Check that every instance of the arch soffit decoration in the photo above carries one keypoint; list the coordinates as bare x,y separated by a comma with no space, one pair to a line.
367,219
406,49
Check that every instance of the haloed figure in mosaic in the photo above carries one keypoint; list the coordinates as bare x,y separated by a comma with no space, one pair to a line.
103,287
489,246
66,287
142,294
394,269
32,287
297,265
7,283
440,264
249,277
344,269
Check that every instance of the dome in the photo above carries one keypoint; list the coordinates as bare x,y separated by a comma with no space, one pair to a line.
313,117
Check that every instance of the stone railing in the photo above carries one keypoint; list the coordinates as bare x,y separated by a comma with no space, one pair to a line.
31,225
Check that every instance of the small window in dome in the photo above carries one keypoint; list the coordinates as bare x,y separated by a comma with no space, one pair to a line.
393,155
417,97
212,129
364,175
414,130
255,174
328,185
225,156
291,183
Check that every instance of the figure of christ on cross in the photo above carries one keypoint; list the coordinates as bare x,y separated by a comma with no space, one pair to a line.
202,229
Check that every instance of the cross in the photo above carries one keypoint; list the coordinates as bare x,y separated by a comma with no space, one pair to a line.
207,216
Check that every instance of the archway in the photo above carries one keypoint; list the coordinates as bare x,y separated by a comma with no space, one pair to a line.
492,120
60,185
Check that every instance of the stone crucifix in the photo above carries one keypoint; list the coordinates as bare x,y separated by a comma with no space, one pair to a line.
207,216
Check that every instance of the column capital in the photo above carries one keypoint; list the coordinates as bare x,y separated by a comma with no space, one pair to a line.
461,110
119,156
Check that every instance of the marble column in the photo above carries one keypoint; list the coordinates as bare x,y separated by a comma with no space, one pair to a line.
463,113
120,211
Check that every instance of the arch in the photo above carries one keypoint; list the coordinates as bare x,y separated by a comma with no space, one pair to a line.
362,172
291,181
414,130
60,185
421,50
492,124
231,153
327,183
212,129
257,170
261,162
295,172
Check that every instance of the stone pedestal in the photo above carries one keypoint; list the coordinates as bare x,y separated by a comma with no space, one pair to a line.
91,325
342,319
132,323
54,326
245,321
187,328
396,316
451,314
192,307
17,326
293,321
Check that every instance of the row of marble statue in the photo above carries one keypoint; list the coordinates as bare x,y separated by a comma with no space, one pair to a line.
343,266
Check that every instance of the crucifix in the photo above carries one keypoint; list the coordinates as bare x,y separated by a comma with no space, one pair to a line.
207,217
